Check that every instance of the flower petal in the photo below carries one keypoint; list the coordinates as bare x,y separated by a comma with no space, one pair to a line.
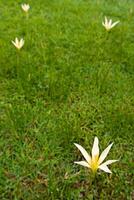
108,162
105,168
95,149
103,24
104,153
21,42
84,152
114,24
13,43
106,21
83,163
110,22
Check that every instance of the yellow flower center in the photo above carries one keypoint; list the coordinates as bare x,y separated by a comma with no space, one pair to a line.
95,163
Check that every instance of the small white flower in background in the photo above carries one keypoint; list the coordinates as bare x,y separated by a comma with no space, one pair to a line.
94,162
25,7
18,44
108,24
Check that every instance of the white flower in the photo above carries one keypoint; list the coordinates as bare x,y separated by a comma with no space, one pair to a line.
94,162
108,24
25,7
18,44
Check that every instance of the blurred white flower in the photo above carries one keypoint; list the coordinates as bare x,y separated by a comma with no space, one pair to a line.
94,162
18,44
108,24
25,7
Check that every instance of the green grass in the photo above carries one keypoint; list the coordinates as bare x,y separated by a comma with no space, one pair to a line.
70,82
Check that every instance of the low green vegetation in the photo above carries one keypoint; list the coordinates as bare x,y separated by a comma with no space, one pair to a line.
71,81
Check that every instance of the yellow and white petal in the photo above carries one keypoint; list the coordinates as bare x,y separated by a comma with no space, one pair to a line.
105,168
83,163
104,153
21,42
16,41
95,149
106,21
84,152
103,24
13,43
110,22
114,24
108,162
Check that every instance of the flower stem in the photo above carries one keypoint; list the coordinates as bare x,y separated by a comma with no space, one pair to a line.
95,186
18,63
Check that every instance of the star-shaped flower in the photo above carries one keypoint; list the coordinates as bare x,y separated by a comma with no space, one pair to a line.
94,162
25,7
18,44
108,24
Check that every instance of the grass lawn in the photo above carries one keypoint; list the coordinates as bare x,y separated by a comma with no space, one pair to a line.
71,81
